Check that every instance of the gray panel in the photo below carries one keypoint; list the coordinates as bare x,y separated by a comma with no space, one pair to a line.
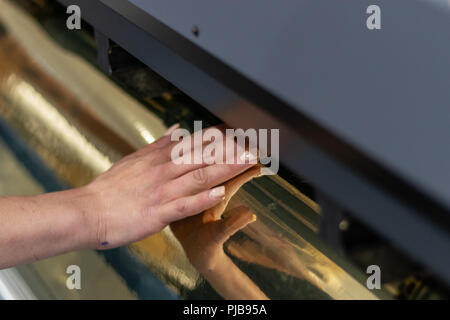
385,92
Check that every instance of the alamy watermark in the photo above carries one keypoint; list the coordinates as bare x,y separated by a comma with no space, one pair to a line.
374,280
235,146
373,22
73,22
73,282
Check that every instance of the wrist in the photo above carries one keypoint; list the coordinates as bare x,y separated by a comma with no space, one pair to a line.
56,223
85,205
216,267
74,216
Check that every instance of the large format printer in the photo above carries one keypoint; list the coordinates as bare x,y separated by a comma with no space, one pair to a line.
363,115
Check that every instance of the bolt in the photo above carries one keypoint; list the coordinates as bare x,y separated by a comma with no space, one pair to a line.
195,31
344,225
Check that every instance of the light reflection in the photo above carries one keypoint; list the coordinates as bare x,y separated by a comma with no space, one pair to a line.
148,137
30,99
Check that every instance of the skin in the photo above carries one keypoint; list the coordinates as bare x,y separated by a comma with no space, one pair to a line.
203,236
140,195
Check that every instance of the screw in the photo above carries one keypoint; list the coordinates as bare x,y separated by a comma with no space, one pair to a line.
195,31
344,225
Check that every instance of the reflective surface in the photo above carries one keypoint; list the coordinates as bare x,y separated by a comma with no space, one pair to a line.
78,123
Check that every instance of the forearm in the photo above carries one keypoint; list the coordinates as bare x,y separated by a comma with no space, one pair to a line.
34,228
232,284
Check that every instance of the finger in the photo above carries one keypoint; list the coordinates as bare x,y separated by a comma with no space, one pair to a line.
172,129
235,184
187,144
237,220
186,163
199,180
188,206
211,138
169,171
232,187
161,143
206,177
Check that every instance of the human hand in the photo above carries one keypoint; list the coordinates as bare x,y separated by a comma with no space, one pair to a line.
146,191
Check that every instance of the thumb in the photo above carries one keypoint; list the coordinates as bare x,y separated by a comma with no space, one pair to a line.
237,219
232,187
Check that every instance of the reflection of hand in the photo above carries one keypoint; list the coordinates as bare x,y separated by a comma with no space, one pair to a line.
203,242
203,236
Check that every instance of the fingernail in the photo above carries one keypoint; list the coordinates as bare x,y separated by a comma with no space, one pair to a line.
254,217
218,192
247,156
172,129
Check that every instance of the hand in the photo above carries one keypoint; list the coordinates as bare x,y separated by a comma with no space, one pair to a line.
202,236
146,191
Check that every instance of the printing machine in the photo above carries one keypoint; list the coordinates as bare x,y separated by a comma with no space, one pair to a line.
363,120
